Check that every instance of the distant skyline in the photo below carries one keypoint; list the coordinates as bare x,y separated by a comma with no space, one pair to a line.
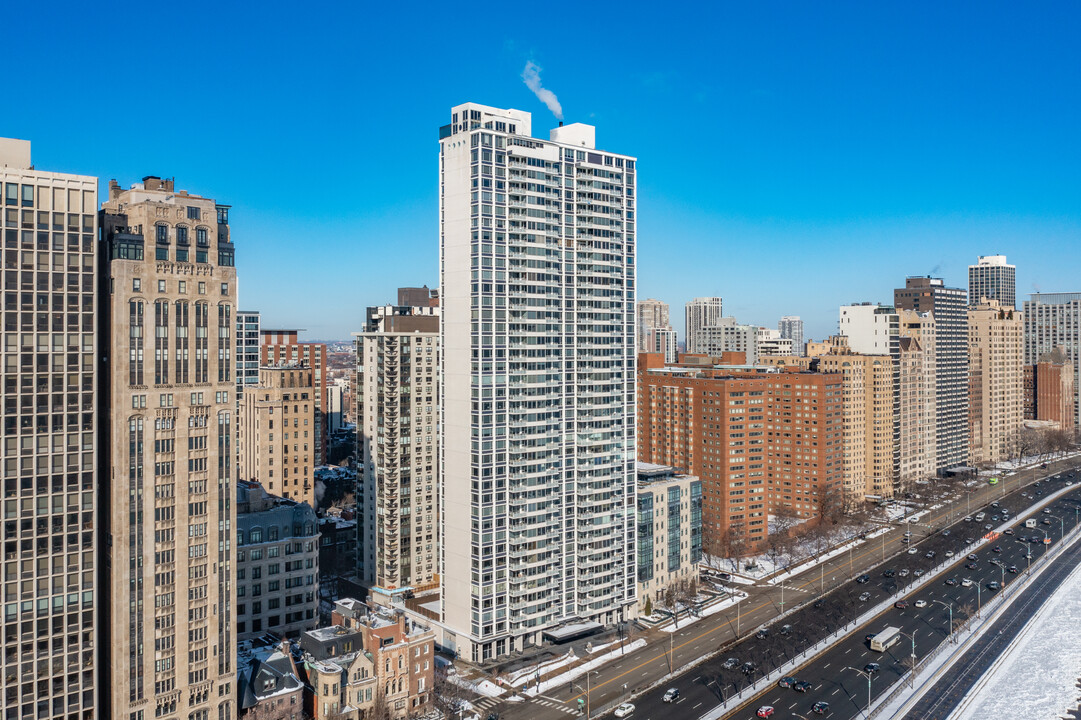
792,157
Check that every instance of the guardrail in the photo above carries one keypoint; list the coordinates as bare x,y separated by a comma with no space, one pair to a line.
995,606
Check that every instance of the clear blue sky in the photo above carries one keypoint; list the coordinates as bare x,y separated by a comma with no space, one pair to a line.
792,156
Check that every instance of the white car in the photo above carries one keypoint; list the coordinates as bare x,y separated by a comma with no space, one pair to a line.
949,553
920,603
912,551
624,710
966,583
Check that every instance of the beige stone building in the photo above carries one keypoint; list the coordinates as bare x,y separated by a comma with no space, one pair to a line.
669,531
50,452
277,435
996,380
916,397
169,318
398,435
869,409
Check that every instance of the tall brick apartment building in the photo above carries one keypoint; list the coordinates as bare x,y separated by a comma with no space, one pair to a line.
761,440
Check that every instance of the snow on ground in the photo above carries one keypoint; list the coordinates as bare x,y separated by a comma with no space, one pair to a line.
582,669
530,672
484,687
706,612
1047,655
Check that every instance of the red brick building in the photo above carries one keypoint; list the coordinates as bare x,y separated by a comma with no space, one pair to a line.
762,441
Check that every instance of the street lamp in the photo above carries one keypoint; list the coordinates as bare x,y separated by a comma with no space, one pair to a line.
1028,555
1061,526
867,675
950,606
912,637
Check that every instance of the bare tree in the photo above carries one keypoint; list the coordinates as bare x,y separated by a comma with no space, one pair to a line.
447,696
380,709
735,543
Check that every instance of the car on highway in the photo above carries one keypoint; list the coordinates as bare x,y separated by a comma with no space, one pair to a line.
968,519
747,668
945,533
968,541
765,711
1045,521
951,581
993,585
973,557
730,664
786,630
903,572
671,695
996,549
971,566
1012,569
949,553
802,686
920,603
871,668
1008,531
1047,511
918,572
912,551
786,682
930,554
820,708
889,573
864,597
901,604
863,578
624,710
988,527
868,637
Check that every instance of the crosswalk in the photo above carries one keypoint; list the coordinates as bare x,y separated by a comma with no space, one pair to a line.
486,703
555,705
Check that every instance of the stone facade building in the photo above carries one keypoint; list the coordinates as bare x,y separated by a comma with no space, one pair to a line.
277,439
996,381
669,531
168,317
277,564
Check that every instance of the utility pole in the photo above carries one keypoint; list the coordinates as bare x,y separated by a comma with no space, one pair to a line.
867,712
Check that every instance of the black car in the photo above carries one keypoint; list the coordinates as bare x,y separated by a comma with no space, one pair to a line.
748,668
996,549
730,664
871,668
863,578
762,633
802,686
819,603
889,573
951,581
786,630
971,566
820,708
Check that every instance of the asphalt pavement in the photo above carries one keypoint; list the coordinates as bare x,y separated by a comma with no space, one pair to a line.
839,676
726,633
942,698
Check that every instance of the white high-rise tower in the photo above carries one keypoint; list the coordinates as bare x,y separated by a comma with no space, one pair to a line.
701,313
537,281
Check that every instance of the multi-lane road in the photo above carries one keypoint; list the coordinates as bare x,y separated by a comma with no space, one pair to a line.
839,676
618,680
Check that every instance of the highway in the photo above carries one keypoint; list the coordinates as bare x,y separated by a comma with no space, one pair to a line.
941,699
617,680
838,677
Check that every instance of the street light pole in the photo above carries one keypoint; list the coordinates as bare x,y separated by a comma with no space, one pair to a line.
912,670
867,675
950,606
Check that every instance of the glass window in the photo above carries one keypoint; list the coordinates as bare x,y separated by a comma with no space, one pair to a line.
161,253
181,254
136,285
193,213
28,196
201,236
181,235
162,233
11,194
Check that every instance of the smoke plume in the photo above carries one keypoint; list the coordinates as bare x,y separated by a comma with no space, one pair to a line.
531,76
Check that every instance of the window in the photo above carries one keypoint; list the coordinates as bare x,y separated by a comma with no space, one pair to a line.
193,213
136,285
182,286
202,288
201,238
201,256
161,253
161,283
181,254
161,233
225,288
181,235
